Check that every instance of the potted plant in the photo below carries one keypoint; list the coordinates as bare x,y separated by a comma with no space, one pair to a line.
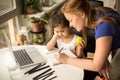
38,23
38,38
31,6
38,30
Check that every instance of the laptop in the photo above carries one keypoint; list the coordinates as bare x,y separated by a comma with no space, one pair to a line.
24,56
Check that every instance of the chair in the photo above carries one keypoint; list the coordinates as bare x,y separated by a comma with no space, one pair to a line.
95,3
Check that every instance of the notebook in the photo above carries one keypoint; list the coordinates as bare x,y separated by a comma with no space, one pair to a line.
51,55
24,56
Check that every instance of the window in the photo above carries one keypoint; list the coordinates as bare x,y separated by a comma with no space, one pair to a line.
9,10
5,7
2,39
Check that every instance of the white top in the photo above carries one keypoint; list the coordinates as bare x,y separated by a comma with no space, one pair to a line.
68,46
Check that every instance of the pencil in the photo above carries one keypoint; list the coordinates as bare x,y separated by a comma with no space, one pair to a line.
38,76
52,78
39,65
48,75
60,50
39,69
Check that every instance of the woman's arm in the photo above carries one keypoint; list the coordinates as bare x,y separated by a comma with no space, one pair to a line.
103,46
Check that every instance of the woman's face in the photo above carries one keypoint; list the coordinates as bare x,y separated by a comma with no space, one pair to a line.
75,20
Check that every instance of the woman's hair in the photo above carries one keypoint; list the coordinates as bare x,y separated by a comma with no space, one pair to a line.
75,6
101,11
58,18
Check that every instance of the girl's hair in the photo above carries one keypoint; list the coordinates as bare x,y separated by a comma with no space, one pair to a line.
58,18
75,6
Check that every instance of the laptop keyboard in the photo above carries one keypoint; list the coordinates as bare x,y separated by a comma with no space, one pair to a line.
22,57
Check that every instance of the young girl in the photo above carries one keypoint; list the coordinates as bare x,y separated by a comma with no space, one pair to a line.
62,37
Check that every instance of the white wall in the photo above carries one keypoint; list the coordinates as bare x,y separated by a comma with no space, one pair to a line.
111,3
118,6
108,3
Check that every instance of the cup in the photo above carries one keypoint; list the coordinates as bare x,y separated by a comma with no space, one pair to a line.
14,72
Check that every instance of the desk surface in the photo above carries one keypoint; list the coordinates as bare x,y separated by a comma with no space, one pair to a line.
62,71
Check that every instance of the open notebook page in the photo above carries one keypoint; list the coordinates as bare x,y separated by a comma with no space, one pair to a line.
51,58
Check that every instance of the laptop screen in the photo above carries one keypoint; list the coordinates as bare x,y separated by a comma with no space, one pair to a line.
8,42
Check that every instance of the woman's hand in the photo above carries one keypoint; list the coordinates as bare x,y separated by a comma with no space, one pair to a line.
61,57
105,70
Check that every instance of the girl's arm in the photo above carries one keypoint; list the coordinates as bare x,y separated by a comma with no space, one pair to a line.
51,44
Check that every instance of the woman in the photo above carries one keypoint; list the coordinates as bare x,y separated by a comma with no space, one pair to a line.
105,21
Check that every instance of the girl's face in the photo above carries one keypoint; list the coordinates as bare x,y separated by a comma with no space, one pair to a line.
76,20
61,31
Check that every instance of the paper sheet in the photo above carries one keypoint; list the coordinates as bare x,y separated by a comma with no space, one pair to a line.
51,56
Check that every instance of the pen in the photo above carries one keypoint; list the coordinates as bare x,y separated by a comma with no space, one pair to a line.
52,78
38,76
45,76
39,65
38,69
60,50
48,75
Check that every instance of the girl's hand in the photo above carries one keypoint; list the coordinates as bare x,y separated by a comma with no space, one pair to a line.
79,48
55,32
79,51
61,57
55,35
